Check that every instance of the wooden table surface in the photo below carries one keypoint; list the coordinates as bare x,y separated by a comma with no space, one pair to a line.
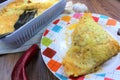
37,70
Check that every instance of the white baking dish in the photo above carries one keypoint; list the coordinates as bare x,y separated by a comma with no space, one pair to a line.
24,33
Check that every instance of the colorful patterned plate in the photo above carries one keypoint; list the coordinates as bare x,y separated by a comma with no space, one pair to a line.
56,41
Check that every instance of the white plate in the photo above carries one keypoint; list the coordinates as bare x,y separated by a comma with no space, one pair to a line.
56,40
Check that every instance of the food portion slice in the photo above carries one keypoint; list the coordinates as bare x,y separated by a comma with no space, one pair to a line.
91,46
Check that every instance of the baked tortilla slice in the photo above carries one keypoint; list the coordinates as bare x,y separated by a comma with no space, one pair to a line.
91,46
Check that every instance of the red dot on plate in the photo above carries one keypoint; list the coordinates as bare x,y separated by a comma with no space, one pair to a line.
77,78
56,21
108,79
46,32
95,18
118,68
48,52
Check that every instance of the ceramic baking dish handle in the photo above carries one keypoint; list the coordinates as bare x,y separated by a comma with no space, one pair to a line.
19,72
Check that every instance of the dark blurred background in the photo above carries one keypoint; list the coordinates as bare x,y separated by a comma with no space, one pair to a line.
2,1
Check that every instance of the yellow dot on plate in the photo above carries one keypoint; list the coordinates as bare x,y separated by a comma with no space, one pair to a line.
73,26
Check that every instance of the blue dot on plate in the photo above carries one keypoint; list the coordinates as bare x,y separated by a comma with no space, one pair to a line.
56,28
103,16
102,75
61,76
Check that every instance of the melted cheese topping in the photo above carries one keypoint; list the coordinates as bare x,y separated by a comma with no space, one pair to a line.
10,14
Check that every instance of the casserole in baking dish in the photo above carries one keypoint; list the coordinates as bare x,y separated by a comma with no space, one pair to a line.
29,29
17,13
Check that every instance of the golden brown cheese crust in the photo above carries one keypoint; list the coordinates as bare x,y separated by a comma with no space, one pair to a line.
10,14
91,46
